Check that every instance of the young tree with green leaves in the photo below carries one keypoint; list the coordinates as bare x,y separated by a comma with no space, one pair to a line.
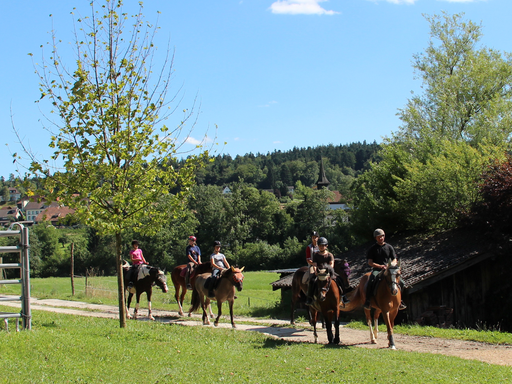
118,157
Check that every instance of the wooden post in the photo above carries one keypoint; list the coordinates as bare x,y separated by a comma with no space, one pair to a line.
72,269
1,269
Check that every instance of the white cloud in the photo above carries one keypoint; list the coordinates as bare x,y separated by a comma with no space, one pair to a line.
300,7
401,1
193,141
267,105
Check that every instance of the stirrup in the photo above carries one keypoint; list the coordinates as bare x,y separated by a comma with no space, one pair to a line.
309,301
344,300
402,306
367,305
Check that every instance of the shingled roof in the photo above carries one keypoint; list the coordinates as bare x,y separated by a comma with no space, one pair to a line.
425,260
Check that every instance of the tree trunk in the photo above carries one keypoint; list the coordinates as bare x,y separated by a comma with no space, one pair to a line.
120,283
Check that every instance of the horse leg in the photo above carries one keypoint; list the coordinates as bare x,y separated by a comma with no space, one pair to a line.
219,306
136,310
312,321
292,316
179,299
210,309
148,294
336,328
328,327
389,320
231,313
367,313
376,315
130,295
204,304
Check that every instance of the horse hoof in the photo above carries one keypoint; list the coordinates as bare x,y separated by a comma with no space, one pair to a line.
374,342
151,318
190,314
233,325
392,347
216,324
181,313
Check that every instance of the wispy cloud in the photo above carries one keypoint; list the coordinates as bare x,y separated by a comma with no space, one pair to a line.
300,7
403,1
267,105
193,141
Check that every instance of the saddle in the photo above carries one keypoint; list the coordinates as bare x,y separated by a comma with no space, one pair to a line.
371,286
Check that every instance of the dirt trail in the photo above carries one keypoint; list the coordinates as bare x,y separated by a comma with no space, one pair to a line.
488,353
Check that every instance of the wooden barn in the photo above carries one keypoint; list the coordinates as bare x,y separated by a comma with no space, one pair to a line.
460,278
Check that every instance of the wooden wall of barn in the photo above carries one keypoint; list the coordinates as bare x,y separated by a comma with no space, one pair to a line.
477,297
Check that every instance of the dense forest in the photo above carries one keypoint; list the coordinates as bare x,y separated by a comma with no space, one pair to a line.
259,227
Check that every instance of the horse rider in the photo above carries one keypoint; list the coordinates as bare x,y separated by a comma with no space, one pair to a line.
319,258
194,258
219,264
310,250
377,256
136,258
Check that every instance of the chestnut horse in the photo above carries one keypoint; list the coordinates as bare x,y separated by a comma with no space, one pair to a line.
225,291
147,277
326,300
386,300
179,283
299,290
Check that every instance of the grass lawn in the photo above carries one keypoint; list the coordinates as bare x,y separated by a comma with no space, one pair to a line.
65,348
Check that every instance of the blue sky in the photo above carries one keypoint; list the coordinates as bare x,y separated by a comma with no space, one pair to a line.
271,75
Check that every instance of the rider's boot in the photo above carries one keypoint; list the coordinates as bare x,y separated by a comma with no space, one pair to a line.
402,306
187,280
311,287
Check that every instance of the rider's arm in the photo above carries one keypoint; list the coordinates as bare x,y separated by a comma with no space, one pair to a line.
375,265
227,264
143,259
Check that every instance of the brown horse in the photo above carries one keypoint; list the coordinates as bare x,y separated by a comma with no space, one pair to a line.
148,276
327,297
180,285
386,300
225,291
299,289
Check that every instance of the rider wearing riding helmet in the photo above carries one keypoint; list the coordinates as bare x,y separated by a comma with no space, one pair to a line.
219,264
319,258
310,251
378,256
194,258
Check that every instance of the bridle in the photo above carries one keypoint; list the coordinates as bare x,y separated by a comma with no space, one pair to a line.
392,273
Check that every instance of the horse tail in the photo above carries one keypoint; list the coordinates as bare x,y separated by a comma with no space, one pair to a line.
195,301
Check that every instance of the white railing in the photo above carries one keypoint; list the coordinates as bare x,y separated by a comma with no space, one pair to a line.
23,249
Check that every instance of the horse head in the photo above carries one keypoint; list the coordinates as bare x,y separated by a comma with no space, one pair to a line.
323,281
237,277
392,275
342,268
160,279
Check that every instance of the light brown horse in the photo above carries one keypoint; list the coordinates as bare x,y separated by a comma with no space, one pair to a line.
179,283
327,298
225,291
299,289
386,300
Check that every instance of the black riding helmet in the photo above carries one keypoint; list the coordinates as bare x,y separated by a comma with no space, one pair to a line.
322,241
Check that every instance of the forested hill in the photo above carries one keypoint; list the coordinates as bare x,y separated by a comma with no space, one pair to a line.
279,169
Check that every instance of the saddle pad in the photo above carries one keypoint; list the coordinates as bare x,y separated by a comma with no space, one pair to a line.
183,272
143,271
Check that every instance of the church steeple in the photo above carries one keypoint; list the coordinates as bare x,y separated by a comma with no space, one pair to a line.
322,179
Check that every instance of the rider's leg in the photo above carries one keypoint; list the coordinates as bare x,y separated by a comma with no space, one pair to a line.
369,291
311,289
187,277
213,283
402,305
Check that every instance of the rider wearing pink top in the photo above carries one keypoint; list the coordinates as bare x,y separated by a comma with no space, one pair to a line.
137,258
